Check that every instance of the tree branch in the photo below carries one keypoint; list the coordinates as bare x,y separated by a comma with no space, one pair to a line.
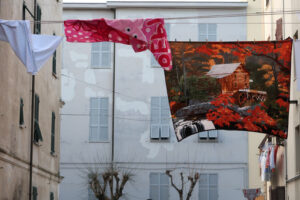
193,181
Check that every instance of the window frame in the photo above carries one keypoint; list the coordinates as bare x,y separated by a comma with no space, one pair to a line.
159,185
34,193
160,116
208,187
208,139
99,125
207,34
100,53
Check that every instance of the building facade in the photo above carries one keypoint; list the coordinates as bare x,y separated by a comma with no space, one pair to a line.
281,24
29,163
111,94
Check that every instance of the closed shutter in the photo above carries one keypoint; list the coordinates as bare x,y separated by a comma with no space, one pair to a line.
207,32
53,133
51,196
159,186
98,119
34,193
101,55
54,62
21,117
155,118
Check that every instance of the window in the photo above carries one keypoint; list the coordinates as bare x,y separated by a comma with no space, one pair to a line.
159,186
54,62
297,146
38,19
51,196
207,32
37,131
208,187
98,119
21,117
101,55
91,194
208,136
34,193
160,118
53,133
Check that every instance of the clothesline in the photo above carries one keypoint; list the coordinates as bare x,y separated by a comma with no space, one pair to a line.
202,16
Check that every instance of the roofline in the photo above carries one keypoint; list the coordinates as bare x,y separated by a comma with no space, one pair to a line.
157,4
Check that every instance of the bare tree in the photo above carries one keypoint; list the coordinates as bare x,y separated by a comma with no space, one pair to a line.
111,181
192,178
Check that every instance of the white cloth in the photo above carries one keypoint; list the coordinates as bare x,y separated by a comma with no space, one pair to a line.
297,62
263,160
272,158
33,50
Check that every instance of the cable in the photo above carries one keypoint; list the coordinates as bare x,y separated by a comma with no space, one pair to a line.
204,16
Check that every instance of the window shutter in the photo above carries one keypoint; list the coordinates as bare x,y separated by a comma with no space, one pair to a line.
165,111
213,134
98,119
155,117
207,32
165,131
53,133
54,61
203,135
103,119
34,193
37,130
21,118
101,55
213,187
38,18
36,107
51,196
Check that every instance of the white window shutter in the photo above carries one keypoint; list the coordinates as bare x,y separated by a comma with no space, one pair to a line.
203,135
213,134
154,131
165,131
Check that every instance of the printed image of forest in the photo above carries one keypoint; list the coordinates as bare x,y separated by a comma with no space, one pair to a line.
230,86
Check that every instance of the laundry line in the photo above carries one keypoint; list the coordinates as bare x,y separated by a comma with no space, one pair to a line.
201,16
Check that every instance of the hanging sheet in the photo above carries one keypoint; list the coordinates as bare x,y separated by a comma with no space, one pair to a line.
33,50
141,34
230,86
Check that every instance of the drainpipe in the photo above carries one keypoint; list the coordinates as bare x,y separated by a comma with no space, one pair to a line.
32,114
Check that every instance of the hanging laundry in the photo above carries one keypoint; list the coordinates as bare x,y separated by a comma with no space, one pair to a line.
297,62
141,34
33,50
272,159
233,85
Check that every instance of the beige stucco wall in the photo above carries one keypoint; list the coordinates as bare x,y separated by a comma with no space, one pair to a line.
15,83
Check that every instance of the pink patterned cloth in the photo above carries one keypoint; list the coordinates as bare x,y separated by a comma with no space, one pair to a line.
141,34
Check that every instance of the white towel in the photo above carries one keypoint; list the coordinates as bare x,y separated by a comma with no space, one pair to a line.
32,50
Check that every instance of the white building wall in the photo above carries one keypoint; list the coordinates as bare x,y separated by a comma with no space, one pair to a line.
136,82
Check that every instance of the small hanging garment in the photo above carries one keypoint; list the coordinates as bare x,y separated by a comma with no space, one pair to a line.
141,34
33,50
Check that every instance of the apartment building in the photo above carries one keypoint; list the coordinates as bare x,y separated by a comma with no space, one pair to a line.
111,94
29,152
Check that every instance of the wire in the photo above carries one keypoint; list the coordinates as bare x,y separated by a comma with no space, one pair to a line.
109,90
204,16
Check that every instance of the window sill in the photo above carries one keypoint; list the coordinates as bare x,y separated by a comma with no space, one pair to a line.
53,154
101,67
208,141
54,75
37,143
98,142
22,126
160,140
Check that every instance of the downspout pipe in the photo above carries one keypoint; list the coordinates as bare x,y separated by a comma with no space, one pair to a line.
32,113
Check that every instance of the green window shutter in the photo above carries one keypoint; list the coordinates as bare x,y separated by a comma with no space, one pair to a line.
51,196
53,133
36,107
21,118
37,130
54,61
34,193
38,18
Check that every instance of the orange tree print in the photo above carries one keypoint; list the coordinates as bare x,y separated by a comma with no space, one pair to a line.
235,85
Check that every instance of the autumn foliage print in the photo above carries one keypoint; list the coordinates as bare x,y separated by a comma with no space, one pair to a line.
230,86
